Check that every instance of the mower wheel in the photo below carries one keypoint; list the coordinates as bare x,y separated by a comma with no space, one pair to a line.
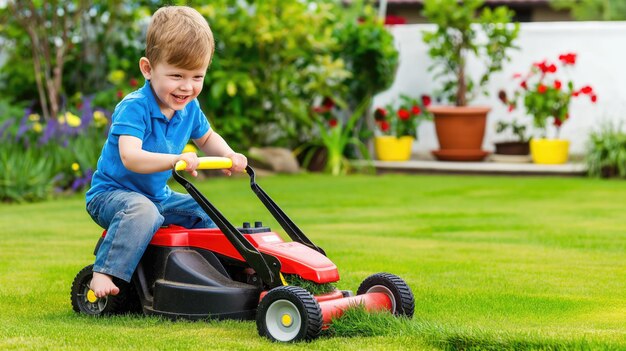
289,313
84,300
402,300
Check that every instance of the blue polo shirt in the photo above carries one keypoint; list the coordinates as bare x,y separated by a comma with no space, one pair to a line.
138,115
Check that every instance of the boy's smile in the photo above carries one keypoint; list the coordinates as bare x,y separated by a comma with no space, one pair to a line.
173,87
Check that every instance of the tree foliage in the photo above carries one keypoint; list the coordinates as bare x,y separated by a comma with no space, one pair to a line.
593,10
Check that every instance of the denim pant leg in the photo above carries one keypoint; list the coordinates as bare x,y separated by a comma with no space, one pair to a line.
131,220
183,210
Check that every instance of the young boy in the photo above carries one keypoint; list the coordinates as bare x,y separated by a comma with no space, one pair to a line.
129,195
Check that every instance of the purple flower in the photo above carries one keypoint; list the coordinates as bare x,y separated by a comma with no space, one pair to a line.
23,127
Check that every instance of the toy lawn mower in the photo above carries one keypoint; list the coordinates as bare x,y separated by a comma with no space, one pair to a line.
240,273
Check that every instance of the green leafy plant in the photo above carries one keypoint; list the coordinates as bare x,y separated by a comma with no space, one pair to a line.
403,118
458,35
335,132
515,128
27,175
606,152
545,96
368,51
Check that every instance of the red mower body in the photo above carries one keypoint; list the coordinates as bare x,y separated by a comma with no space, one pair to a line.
295,258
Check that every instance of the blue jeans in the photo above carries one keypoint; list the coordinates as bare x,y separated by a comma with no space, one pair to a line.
131,219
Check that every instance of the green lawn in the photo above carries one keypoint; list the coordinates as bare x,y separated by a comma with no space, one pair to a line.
494,263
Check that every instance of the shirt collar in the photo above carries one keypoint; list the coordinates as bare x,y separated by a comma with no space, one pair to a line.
155,110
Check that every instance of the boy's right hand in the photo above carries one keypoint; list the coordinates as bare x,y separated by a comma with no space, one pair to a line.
192,161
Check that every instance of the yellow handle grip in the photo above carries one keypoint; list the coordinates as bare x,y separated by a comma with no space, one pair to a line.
208,163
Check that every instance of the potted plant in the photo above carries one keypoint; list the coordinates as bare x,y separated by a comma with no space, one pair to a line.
334,132
462,32
546,98
517,145
396,127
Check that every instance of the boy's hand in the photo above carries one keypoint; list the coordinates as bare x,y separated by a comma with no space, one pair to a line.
192,162
239,163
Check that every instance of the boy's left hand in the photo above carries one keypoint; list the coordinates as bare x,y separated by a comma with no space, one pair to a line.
239,163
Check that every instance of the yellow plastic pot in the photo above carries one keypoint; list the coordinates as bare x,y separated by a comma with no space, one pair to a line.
549,151
390,148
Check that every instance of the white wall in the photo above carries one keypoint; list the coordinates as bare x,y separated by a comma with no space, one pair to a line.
601,49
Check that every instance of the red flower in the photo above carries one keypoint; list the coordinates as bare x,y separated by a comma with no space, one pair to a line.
392,20
133,82
332,122
120,94
380,114
557,84
524,85
426,100
594,98
568,59
541,88
586,89
383,125
544,67
328,103
558,122
415,110
404,114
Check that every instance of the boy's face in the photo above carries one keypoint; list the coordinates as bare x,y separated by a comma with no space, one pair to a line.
173,87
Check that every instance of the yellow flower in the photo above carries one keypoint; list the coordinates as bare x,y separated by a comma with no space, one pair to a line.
190,148
116,77
99,119
75,167
37,127
33,117
72,120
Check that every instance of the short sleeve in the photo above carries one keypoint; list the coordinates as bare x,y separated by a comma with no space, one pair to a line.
129,119
201,124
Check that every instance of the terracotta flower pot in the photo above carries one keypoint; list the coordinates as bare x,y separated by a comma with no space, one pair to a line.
390,148
460,131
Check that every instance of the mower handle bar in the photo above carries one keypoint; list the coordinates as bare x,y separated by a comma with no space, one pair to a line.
208,162
267,266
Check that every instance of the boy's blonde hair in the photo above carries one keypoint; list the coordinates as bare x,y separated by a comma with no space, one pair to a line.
179,36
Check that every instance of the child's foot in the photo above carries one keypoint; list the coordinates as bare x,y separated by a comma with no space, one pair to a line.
102,285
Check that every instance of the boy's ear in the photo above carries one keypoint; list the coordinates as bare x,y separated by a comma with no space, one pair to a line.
145,67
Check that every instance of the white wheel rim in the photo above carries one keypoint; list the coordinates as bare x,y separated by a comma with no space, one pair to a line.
383,289
283,320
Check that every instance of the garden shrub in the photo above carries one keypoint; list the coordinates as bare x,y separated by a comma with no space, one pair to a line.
606,152
39,156
274,61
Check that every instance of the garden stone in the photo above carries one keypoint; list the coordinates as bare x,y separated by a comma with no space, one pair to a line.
274,158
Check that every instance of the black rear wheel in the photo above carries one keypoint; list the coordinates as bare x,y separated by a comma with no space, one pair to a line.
85,301
402,300
289,313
